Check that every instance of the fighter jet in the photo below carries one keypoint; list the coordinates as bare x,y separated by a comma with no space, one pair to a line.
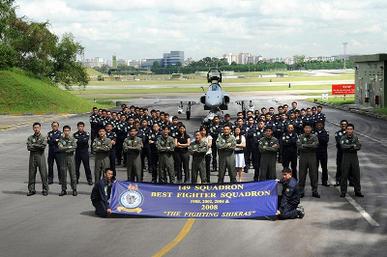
214,99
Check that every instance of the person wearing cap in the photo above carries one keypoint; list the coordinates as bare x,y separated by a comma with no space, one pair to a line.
307,144
290,199
268,147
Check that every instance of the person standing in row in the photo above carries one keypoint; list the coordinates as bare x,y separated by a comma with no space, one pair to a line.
208,138
36,144
132,147
339,155
67,145
165,146
214,132
350,145
182,142
110,134
101,147
307,144
239,152
322,151
198,149
226,144
289,150
53,152
154,154
268,147
82,152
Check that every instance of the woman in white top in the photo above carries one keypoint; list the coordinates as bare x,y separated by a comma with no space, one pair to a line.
208,139
239,152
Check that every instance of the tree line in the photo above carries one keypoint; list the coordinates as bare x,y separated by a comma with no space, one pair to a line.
31,46
210,62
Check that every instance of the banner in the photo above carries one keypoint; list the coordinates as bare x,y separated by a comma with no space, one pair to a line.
343,89
240,200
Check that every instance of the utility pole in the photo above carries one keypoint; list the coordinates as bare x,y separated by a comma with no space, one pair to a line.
345,44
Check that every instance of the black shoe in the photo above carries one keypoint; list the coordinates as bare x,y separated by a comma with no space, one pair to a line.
302,195
90,183
44,192
359,194
77,181
50,182
62,193
337,183
31,193
342,195
316,195
75,193
326,184
246,171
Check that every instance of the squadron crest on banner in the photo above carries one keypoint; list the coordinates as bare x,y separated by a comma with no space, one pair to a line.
131,200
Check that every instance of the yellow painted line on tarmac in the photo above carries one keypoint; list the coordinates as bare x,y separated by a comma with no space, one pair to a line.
182,234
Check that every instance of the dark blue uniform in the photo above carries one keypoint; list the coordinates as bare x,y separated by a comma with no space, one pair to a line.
289,152
82,154
100,196
122,133
53,154
214,132
290,199
259,133
251,148
322,153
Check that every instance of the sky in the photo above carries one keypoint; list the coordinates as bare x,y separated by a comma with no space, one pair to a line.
135,29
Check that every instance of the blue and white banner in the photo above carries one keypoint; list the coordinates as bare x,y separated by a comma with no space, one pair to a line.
240,200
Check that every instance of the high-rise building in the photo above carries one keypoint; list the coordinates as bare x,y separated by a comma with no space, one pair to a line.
114,62
172,58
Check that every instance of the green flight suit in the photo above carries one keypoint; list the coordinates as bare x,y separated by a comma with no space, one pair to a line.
132,147
307,146
268,147
36,145
226,146
165,147
350,162
67,146
101,148
198,151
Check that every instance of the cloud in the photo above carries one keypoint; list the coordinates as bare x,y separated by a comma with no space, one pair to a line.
146,29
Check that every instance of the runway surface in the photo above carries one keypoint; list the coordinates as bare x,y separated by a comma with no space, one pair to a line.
66,226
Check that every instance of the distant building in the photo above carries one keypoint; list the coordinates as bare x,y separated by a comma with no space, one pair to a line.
370,79
114,62
172,58
242,58
231,58
94,62
147,63
122,62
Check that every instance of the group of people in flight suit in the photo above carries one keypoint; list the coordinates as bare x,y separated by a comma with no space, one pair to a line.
138,139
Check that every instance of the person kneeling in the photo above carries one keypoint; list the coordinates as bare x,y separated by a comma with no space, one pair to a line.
288,207
100,194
